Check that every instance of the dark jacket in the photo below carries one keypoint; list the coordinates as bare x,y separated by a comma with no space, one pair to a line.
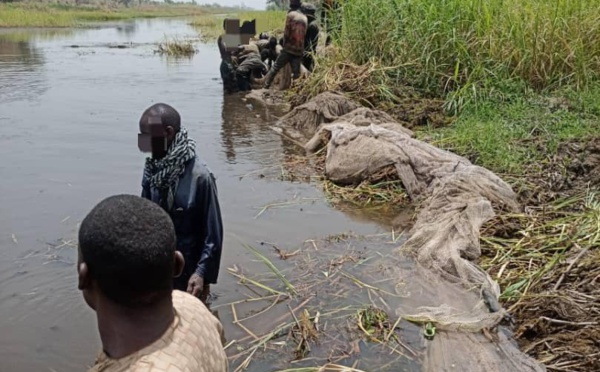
197,218
225,54
312,36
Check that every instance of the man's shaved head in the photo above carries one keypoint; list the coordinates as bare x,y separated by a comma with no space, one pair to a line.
169,116
159,125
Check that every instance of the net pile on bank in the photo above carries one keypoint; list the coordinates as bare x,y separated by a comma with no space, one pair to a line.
456,197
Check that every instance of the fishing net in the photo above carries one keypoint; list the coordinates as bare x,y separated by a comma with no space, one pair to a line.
456,197
303,121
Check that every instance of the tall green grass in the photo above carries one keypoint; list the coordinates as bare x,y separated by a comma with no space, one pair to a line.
467,49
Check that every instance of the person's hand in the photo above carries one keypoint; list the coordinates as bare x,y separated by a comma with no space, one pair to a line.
195,285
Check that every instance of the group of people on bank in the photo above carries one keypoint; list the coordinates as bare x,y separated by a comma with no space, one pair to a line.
256,64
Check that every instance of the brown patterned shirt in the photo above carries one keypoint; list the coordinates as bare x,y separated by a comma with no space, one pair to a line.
193,343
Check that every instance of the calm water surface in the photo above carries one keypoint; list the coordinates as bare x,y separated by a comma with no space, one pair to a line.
68,119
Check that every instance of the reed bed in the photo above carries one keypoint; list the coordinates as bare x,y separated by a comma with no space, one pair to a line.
466,50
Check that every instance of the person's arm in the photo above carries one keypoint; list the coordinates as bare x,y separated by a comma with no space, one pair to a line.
313,37
212,227
146,191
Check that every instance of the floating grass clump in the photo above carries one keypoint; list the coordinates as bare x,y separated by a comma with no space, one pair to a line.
176,48
385,193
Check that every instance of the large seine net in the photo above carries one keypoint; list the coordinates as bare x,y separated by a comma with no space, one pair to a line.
455,198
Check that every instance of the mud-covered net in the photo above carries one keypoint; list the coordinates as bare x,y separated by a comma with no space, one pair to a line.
456,197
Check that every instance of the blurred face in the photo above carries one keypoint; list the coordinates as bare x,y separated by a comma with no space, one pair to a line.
154,137
294,4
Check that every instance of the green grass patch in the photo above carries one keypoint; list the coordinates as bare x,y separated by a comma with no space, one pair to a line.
507,136
211,25
56,15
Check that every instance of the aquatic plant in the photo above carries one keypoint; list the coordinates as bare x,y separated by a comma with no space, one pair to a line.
176,48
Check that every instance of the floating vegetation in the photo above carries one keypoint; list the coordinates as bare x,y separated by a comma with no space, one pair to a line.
322,312
177,48
386,193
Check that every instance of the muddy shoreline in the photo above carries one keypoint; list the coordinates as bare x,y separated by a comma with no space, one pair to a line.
573,172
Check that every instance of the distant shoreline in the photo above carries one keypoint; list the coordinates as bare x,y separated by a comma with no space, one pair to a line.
40,15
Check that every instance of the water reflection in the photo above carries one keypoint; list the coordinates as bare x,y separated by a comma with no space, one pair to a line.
34,35
235,133
127,29
21,74
246,131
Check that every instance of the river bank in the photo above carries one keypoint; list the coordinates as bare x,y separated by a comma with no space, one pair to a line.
544,257
60,15
517,109
523,109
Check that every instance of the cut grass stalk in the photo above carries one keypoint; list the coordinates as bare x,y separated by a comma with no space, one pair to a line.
273,268
387,193
361,284
247,300
236,321
262,342
244,280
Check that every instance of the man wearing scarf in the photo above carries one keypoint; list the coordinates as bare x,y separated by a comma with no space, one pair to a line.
177,180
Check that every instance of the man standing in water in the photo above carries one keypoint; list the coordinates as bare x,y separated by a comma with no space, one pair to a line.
177,180
227,67
126,264
293,43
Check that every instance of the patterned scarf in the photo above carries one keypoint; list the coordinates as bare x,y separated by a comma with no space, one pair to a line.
164,173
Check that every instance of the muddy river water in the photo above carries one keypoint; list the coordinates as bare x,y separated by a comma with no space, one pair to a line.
68,119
